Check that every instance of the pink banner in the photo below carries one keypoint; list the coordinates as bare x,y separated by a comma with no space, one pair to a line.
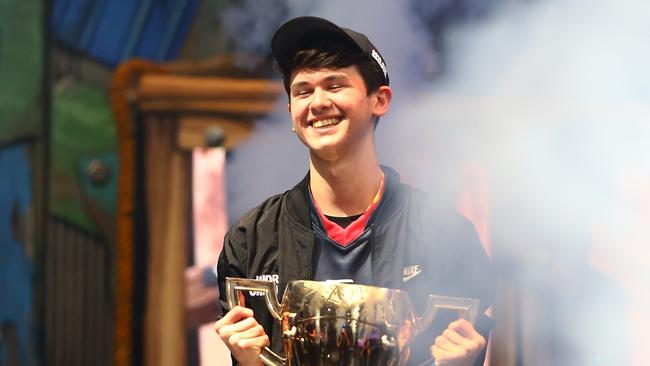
210,225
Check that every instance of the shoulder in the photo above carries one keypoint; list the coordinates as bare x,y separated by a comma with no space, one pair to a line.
437,226
247,234
438,212
257,215
267,213
267,206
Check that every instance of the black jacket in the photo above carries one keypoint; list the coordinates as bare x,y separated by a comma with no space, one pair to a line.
409,229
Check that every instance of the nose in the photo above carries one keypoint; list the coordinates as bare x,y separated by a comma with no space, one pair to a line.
320,100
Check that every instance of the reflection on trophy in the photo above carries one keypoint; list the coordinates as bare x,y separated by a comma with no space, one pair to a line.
332,323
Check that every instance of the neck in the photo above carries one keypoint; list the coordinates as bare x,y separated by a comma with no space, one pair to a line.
345,187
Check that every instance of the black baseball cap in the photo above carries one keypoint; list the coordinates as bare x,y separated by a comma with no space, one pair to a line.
296,31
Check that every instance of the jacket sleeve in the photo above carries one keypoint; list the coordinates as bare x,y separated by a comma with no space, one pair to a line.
240,258
461,268
231,261
469,272
460,265
468,269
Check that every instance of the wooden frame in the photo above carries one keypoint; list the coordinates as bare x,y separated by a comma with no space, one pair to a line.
174,112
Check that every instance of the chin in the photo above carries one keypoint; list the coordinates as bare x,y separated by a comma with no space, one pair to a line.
324,143
325,153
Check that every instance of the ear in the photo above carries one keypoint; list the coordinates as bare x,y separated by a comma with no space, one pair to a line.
289,108
382,98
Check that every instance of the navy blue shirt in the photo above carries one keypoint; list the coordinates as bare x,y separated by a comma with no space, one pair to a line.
352,261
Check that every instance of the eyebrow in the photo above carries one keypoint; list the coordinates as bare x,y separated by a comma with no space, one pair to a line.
329,78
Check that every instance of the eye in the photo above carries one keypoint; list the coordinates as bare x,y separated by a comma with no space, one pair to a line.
301,92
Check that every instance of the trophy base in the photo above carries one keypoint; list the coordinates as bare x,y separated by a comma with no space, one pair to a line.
330,341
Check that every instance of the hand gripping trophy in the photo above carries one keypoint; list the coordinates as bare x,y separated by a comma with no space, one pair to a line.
332,323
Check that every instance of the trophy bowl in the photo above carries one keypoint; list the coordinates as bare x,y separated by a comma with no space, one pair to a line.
329,323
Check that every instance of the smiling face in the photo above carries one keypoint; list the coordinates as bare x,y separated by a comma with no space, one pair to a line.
332,113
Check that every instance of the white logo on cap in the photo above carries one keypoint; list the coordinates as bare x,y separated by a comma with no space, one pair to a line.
381,63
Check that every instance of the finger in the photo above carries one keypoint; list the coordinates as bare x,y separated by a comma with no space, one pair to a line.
242,339
453,337
225,326
233,316
466,329
440,354
227,330
464,344
252,332
250,343
445,345
240,312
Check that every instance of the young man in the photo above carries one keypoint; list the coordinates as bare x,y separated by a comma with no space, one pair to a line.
350,218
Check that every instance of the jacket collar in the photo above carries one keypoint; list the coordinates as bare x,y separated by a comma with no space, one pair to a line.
297,202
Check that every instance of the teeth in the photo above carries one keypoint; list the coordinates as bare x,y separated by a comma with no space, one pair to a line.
326,122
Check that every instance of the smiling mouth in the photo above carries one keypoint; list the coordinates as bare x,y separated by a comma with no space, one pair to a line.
323,123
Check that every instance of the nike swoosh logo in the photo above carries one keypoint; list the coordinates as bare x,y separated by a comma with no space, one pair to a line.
411,272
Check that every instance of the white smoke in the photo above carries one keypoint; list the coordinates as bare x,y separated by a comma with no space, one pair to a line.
552,99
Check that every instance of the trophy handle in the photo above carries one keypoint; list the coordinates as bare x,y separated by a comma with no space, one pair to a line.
233,288
467,309
270,358
234,285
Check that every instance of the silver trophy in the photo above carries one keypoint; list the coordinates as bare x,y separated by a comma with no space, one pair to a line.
334,324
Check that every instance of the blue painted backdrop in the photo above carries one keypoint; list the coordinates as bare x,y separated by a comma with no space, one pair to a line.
16,267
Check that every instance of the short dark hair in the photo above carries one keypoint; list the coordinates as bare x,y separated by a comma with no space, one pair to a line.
333,53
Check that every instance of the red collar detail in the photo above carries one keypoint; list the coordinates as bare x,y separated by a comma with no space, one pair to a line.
347,235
